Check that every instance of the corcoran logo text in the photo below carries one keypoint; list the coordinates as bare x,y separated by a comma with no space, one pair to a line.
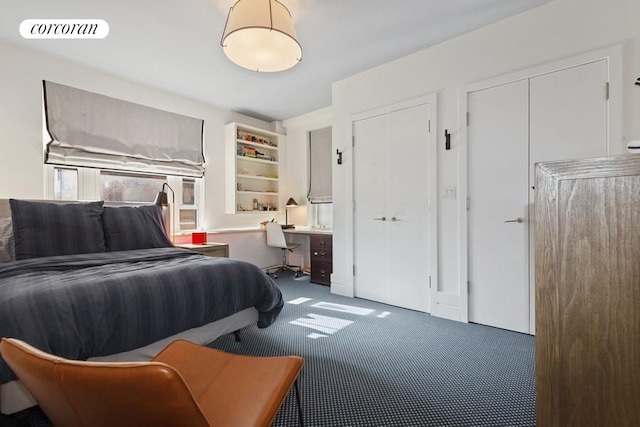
64,29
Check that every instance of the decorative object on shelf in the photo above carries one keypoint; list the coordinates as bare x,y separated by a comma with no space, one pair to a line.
447,140
162,200
339,153
259,35
291,203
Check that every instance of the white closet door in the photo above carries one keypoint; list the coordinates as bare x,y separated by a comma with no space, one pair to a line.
555,116
568,111
498,136
371,190
392,181
569,120
409,204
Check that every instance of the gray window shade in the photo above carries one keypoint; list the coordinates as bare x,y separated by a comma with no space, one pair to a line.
320,166
92,130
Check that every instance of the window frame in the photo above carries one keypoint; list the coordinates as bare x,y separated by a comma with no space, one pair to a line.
89,188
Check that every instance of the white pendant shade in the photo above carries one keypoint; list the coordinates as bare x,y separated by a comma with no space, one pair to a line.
260,36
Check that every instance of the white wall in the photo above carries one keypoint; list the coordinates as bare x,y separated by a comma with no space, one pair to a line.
556,30
21,140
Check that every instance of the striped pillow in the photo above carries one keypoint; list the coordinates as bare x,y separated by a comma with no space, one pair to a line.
128,228
48,229
7,242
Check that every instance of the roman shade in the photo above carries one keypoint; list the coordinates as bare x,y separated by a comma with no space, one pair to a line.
92,130
320,166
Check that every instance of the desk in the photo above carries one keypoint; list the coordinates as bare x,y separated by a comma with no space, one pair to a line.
320,248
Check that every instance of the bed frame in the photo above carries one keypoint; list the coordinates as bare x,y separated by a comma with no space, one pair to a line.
14,396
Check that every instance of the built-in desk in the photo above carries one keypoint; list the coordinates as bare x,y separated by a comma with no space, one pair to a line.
320,252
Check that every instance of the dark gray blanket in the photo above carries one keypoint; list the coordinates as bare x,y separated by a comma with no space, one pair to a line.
81,306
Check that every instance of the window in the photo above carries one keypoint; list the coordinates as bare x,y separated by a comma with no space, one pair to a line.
189,192
117,188
320,208
319,157
188,215
324,215
129,188
65,184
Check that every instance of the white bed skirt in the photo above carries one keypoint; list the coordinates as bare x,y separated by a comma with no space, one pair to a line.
14,396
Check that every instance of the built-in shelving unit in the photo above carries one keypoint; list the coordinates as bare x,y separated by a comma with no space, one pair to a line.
252,170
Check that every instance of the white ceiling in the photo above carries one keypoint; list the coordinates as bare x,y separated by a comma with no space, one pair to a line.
175,44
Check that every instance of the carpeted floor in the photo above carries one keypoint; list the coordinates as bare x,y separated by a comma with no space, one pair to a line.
369,364
394,367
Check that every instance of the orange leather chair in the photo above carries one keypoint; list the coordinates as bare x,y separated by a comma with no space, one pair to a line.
185,385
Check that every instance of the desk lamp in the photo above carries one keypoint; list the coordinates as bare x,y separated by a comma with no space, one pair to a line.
290,204
162,199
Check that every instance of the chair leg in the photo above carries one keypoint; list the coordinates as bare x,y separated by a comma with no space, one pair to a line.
295,385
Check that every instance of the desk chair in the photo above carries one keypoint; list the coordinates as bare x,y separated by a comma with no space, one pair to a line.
185,385
275,239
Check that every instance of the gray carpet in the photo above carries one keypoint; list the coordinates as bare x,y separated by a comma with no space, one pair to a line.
405,369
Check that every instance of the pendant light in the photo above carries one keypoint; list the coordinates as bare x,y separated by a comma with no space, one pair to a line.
259,35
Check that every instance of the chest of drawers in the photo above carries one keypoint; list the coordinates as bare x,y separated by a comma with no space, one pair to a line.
321,259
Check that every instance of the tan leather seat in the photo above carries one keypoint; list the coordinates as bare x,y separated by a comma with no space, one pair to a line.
185,385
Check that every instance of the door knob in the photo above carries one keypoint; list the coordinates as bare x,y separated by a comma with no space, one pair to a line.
380,219
518,220
395,219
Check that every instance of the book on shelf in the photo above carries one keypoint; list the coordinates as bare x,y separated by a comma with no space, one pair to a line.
249,152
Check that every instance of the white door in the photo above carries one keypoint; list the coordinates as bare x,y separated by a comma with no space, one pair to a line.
498,178
391,218
559,115
569,120
371,189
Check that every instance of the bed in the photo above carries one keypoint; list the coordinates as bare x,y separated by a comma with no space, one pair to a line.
102,283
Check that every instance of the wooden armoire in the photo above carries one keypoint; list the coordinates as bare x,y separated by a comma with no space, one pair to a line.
587,267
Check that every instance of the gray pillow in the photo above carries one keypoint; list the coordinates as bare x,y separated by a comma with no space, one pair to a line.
7,242
48,229
128,228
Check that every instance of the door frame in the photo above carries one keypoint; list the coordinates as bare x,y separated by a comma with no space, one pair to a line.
613,56
430,99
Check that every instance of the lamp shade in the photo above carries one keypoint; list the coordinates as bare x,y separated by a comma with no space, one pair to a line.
162,199
260,36
291,203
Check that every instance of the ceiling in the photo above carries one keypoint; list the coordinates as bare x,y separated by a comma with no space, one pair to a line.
175,44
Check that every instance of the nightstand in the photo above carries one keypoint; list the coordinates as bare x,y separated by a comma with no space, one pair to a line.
211,249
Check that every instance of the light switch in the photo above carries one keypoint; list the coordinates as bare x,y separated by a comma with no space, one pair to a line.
449,193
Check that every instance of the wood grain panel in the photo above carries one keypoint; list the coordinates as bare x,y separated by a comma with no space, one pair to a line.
588,294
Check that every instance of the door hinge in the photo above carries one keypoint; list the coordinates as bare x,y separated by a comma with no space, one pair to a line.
429,126
429,282
468,287
353,140
354,269
468,202
607,91
354,205
467,118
